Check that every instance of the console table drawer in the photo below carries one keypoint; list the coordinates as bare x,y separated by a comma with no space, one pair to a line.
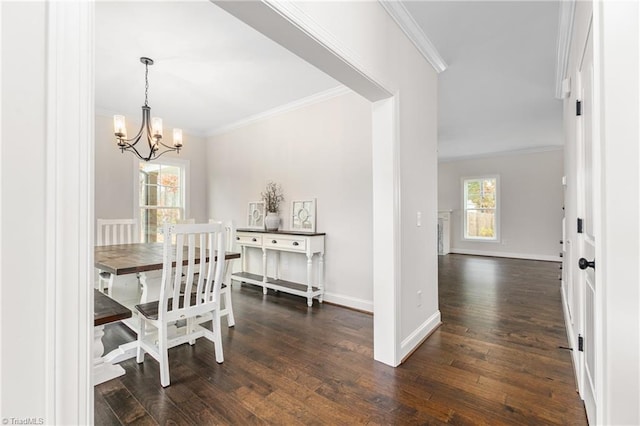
249,240
286,243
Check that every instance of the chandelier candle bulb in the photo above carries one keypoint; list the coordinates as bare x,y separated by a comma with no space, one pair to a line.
156,127
119,127
177,138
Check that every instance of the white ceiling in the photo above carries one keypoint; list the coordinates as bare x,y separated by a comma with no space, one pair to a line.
497,93
212,70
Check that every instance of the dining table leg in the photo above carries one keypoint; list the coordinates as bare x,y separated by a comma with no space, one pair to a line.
103,370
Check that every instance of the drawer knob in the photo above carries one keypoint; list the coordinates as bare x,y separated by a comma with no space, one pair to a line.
238,238
274,242
254,240
295,243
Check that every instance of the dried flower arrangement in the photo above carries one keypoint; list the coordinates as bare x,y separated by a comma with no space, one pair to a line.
272,197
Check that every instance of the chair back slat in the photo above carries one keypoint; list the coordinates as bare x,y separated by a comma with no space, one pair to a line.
205,277
116,231
230,242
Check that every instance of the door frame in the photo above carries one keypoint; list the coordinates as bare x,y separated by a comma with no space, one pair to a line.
69,212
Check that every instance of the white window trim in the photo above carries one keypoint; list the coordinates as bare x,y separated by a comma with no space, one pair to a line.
184,164
497,208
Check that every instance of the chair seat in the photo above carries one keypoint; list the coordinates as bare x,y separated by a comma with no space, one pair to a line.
150,310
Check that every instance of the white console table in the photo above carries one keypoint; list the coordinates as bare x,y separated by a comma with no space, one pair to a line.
305,243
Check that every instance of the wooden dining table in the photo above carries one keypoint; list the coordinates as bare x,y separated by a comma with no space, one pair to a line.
138,262
138,269
105,311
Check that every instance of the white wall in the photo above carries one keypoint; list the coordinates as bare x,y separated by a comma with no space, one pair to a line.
23,179
385,52
321,151
360,45
530,199
114,172
618,265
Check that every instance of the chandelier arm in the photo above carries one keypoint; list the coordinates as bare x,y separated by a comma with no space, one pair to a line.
170,147
150,144
131,148
146,123
163,152
136,138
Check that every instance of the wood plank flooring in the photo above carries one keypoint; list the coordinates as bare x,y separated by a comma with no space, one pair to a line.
495,360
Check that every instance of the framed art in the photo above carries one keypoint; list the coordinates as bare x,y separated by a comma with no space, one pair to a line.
255,215
303,215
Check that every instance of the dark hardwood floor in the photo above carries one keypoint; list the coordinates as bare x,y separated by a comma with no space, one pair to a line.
495,360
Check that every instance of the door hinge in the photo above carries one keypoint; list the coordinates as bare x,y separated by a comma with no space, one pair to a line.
579,226
578,108
580,343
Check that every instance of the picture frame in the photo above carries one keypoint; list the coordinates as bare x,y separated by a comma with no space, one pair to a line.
303,215
255,215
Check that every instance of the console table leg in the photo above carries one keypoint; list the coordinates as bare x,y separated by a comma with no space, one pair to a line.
244,258
264,271
309,273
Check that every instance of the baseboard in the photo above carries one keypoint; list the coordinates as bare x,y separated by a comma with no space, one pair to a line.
527,256
419,335
349,302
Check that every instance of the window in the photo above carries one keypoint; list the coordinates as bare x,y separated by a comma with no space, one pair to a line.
480,208
161,197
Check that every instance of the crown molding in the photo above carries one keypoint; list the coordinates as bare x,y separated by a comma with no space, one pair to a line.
565,34
524,151
300,103
412,30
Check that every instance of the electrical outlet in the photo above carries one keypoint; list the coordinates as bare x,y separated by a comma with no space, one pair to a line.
419,219
419,298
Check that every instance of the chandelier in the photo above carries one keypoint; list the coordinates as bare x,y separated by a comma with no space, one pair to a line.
151,128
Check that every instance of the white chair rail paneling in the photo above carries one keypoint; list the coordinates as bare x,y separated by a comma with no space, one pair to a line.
114,231
200,295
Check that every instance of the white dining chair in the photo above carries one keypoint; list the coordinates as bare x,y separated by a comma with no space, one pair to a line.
110,232
201,293
189,221
225,289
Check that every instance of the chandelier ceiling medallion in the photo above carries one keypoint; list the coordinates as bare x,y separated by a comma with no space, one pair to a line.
151,128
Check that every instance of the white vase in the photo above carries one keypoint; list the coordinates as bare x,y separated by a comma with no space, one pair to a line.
272,221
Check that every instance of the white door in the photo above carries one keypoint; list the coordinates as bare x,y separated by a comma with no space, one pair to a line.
588,212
